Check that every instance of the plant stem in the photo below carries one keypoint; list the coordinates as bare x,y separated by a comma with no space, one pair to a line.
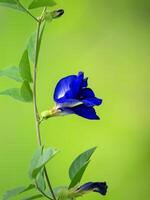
27,11
42,191
36,113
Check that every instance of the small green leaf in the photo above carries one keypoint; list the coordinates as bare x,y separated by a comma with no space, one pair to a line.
31,44
23,94
40,160
43,3
12,4
47,155
34,160
77,178
26,92
38,196
40,180
24,67
12,73
14,192
79,165
14,93
31,47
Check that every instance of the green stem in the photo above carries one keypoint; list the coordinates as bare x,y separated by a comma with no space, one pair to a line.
28,12
36,113
43,193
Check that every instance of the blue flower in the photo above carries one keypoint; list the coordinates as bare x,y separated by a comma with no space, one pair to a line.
100,187
72,96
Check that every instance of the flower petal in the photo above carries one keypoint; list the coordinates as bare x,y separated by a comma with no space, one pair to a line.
85,83
86,112
86,93
76,85
92,101
67,103
63,86
100,187
65,111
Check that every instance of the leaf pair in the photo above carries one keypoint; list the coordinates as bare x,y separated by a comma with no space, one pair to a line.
79,166
15,4
40,159
19,74
36,172
38,162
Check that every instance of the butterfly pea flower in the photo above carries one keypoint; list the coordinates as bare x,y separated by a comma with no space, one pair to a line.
99,187
65,193
73,96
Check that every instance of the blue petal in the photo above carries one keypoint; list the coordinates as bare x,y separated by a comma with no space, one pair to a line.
92,101
85,83
65,111
86,93
100,187
76,85
67,103
63,86
69,87
86,112
88,97
86,186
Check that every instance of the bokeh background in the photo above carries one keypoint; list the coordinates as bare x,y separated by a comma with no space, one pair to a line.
110,42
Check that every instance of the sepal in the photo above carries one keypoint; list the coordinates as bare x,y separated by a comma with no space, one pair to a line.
49,113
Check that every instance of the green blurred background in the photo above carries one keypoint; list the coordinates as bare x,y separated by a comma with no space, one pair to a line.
110,42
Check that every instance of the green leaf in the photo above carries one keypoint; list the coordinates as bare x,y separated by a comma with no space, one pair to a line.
31,47
38,196
47,155
26,92
16,191
14,93
12,73
24,67
23,94
12,4
39,161
43,3
34,160
40,180
79,165
31,44
77,178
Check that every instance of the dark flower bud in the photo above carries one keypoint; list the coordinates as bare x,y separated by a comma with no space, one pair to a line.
100,187
57,13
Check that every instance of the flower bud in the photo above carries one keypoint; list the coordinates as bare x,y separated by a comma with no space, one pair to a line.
57,13
49,16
